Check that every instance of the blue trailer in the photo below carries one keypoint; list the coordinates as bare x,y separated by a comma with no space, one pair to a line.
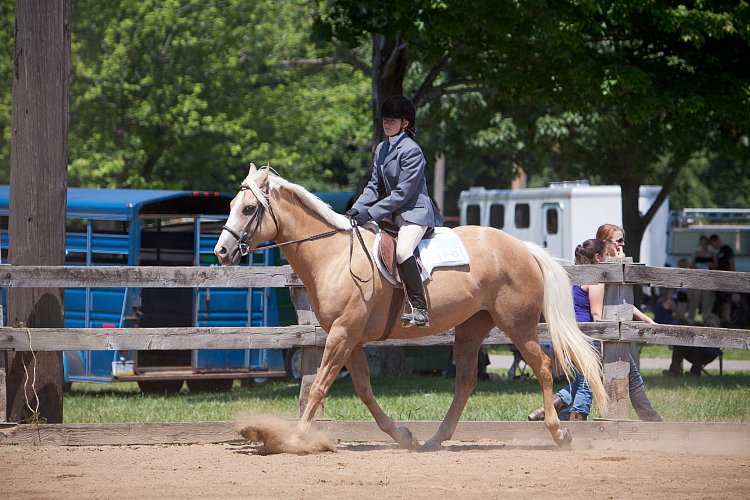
140,227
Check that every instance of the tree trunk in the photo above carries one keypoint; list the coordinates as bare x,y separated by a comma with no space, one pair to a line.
632,222
389,60
38,186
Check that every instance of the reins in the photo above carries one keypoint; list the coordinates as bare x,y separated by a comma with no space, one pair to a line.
244,249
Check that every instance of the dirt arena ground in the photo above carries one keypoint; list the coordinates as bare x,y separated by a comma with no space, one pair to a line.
484,469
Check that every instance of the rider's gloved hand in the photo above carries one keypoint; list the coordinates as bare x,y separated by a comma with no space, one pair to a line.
362,217
352,213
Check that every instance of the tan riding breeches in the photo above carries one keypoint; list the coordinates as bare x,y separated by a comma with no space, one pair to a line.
409,236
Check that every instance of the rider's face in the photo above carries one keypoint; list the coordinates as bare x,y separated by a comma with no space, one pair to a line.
394,126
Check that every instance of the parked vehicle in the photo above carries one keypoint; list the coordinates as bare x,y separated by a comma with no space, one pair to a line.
732,225
562,215
137,227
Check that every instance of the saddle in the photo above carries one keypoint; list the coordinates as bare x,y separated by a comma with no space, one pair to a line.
387,249
440,247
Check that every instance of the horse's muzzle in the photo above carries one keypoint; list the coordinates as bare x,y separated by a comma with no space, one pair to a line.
227,257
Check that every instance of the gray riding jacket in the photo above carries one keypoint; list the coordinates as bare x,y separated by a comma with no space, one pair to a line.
398,185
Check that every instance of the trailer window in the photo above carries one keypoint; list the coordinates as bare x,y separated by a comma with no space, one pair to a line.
472,215
76,225
551,221
497,215
522,217
110,226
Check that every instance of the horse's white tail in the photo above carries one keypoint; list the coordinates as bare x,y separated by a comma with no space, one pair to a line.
571,346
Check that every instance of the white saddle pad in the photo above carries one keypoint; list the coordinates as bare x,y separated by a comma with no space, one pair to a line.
444,249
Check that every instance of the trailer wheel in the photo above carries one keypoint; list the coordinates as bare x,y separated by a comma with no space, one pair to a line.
293,364
160,386
210,385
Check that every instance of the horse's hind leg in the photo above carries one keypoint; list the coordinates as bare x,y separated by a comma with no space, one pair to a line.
540,364
468,340
359,371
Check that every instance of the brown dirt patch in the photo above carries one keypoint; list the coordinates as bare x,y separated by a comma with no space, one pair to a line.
484,469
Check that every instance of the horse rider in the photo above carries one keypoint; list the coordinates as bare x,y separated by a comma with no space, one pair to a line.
397,192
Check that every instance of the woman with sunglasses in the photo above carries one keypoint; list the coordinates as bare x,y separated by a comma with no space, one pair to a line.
615,238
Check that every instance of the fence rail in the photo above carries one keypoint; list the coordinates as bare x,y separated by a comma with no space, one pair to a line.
286,337
283,276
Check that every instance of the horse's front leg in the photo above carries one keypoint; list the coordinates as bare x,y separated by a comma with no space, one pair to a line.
337,350
359,371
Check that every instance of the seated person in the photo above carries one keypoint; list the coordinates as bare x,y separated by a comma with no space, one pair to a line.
699,357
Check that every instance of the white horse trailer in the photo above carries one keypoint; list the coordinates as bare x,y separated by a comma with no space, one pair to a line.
561,216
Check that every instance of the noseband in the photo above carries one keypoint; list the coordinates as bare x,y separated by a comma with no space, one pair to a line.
243,237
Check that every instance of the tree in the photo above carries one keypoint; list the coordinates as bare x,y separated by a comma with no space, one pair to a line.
6,83
185,94
664,87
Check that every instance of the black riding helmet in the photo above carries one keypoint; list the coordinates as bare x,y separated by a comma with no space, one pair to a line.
398,106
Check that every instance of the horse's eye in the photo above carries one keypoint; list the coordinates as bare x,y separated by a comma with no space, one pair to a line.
248,210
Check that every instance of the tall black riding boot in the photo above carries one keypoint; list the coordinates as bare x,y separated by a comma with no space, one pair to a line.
412,279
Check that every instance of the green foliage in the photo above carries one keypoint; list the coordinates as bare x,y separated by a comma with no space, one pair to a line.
186,94
183,94
6,83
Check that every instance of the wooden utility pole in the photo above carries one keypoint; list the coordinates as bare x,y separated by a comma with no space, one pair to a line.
38,190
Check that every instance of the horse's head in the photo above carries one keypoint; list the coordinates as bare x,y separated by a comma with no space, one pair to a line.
251,220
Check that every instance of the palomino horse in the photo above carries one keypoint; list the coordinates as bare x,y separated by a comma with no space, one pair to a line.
508,283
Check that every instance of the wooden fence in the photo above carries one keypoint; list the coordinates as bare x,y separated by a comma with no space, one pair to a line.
616,329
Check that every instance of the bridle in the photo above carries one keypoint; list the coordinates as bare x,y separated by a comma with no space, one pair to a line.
257,217
242,238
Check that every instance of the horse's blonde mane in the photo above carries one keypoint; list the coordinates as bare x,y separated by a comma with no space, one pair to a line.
276,182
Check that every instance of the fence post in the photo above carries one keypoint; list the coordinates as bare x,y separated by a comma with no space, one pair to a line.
618,306
3,382
311,356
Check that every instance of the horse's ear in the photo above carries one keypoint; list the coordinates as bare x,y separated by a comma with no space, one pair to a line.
253,170
262,179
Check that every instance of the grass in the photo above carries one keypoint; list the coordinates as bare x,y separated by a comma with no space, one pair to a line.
706,399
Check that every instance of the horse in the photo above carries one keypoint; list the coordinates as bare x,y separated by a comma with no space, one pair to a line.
508,283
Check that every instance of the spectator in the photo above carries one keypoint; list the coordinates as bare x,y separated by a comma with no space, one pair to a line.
638,398
699,357
614,236
665,307
724,262
574,401
703,258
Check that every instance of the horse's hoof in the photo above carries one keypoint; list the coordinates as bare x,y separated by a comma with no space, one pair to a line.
405,439
565,440
431,446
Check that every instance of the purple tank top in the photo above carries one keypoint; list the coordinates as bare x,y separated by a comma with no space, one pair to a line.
581,304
